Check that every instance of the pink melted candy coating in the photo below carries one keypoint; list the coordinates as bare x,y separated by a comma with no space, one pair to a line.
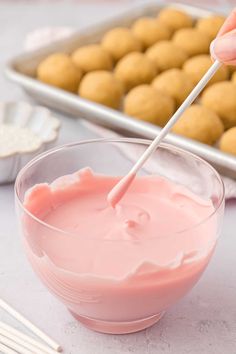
120,189
118,264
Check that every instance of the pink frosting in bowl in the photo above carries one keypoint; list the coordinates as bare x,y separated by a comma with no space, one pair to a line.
117,269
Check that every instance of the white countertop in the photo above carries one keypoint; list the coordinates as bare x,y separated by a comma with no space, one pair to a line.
204,322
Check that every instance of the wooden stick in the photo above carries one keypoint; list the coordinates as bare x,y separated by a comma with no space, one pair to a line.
6,350
13,345
30,326
12,332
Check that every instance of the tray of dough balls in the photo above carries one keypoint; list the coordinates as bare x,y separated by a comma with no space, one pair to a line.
132,72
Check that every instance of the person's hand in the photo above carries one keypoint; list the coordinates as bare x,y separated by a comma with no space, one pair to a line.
223,47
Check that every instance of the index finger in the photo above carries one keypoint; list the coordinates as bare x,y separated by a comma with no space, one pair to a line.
229,25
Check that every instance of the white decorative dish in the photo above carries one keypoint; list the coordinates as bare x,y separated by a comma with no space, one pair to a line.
25,131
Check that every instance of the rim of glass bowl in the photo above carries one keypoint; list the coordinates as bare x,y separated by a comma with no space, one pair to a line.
113,140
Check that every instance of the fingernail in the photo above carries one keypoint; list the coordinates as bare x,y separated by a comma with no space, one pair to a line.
224,48
212,50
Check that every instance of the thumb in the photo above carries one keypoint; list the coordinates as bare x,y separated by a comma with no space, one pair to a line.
223,48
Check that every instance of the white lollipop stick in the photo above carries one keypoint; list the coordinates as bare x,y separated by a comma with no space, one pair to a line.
16,335
121,187
21,342
13,345
30,326
6,350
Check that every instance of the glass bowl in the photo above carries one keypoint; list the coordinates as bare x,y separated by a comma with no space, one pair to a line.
138,300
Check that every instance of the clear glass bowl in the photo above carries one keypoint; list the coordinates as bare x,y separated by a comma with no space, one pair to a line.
134,303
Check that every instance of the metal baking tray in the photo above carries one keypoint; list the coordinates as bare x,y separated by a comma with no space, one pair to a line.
22,70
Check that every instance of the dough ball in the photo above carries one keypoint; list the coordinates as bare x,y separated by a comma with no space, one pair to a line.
175,19
175,83
192,41
221,98
146,103
92,57
135,69
120,41
101,87
199,123
228,141
59,70
234,77
232,69
150,31
210,25
197,66
166,55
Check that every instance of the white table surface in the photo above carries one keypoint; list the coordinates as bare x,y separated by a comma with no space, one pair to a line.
204,322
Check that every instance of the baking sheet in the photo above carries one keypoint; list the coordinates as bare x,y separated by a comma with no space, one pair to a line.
22,70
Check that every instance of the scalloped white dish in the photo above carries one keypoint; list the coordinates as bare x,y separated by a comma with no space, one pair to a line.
25,131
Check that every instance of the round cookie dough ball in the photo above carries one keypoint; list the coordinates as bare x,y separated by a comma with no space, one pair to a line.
221,98
197,66
119,42
146,103
150,31
234,77
232,69
228,141
92,57
166,55
101,87
135,69
175,19
199,123
210,25
59,70
192,41
175,83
